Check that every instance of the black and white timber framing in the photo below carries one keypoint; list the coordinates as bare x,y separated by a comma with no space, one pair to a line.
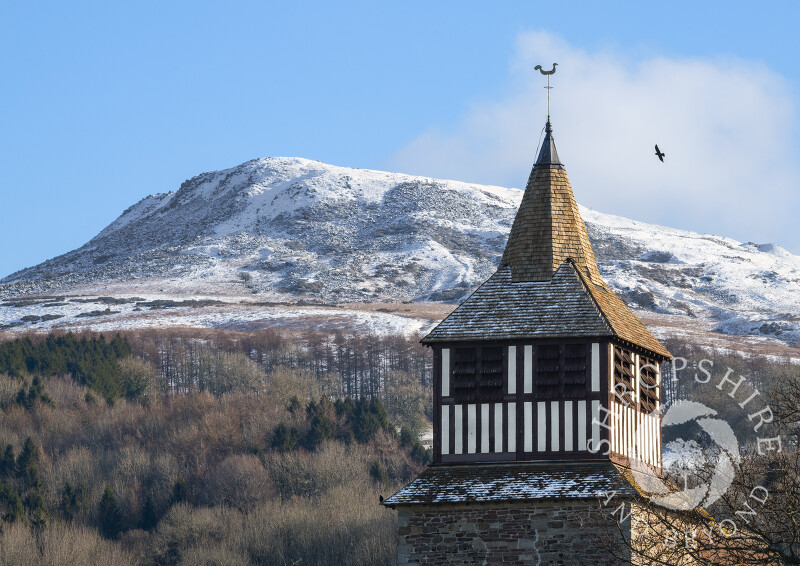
568,399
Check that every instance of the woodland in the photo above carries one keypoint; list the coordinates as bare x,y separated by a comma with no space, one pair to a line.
206,447
191,446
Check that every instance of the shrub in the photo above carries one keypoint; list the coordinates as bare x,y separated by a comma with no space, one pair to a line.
239,481
311,475
378,474
185,532
9,388
346,526
17,545
58,544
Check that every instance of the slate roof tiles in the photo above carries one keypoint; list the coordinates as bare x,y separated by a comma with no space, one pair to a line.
531,481
502,310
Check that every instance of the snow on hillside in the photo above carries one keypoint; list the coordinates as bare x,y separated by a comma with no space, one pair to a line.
289,229
742,288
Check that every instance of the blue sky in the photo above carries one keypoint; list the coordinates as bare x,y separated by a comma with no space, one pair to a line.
104,103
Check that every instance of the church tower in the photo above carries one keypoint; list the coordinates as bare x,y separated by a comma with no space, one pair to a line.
546,389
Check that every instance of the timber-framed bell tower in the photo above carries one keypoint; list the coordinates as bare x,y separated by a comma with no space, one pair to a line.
528,366
546,388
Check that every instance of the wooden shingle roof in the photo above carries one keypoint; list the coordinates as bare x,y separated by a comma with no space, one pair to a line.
548,284
548,228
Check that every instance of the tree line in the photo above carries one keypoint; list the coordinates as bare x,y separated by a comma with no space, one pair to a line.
346,364
393,368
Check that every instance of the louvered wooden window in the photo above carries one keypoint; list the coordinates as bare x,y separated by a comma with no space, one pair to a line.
623,376
547,371
464,374
491,374
574,371
648,390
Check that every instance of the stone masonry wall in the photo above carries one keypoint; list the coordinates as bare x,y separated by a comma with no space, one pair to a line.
561,533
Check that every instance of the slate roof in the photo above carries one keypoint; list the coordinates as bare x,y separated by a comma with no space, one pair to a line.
502,310
548,284
565,306
516,482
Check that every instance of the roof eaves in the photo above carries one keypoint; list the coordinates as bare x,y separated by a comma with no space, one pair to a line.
426,339
615,332
585,285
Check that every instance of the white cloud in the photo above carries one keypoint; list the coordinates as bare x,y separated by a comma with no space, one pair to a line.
726,125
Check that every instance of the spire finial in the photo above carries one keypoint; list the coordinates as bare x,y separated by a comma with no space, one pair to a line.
548,87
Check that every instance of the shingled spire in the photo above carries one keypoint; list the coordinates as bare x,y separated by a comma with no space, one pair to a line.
548,284
548,228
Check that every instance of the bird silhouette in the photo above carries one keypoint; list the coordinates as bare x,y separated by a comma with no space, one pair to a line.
660,154
550,72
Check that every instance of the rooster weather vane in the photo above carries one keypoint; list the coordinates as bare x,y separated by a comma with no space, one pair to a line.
548,87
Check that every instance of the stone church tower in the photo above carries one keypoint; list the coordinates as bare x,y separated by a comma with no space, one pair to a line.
544,385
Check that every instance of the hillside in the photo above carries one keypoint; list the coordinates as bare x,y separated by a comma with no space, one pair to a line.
285,239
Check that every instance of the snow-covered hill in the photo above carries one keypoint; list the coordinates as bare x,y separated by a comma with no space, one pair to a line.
291,230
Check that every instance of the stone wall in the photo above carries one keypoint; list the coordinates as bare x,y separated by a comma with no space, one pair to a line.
548,532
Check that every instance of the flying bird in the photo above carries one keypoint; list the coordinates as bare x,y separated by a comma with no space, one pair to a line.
660,154
550,72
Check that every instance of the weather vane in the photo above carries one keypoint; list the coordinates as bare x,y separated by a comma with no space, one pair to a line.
548,87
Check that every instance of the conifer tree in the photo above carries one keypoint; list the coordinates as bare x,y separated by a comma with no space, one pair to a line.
22,398
149,514
14,509
109,514
284,439
8,464
27,458
321,429
179,491
31,478
72,501
37,509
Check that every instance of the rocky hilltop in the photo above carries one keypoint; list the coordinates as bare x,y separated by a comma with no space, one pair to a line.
292,230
